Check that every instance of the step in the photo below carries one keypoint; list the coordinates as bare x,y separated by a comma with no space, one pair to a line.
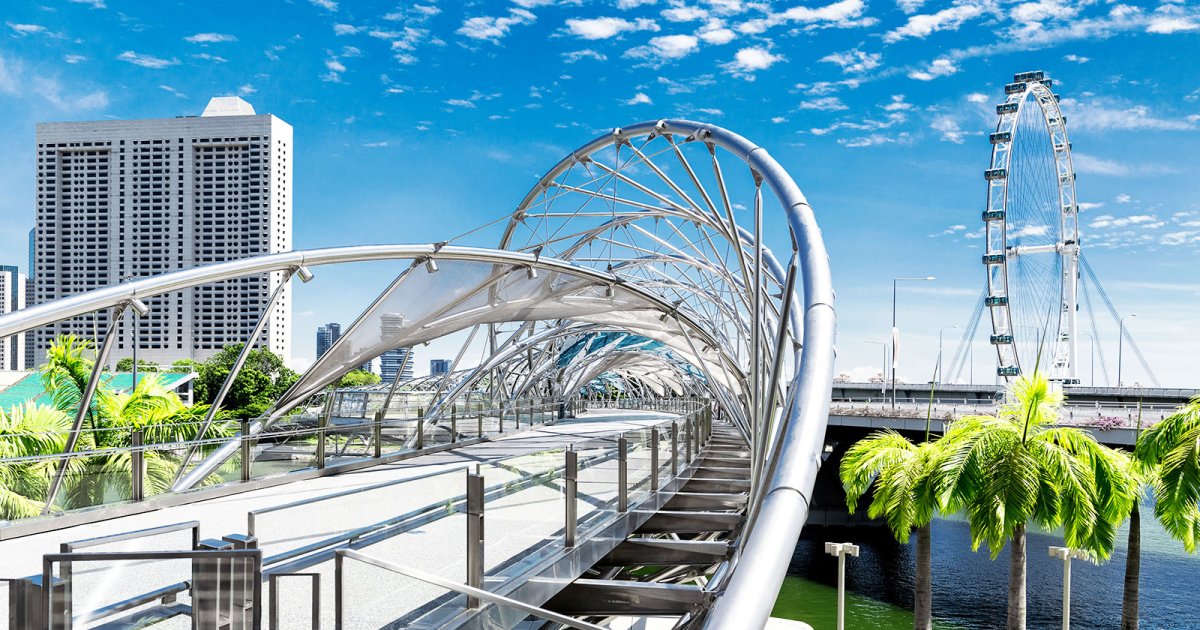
627,598
707,501
681,522
664,552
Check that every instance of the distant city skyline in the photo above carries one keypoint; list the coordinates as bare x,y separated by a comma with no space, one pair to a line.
411,124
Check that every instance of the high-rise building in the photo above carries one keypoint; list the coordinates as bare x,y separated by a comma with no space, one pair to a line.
118,200
438,366
390,363
326,335
12,298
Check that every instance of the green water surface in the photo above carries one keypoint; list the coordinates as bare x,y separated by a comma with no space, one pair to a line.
816,605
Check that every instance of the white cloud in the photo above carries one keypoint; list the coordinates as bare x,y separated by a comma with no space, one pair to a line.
639,99
146,61
1084,206
210,38
346,29
841,14
715,32
626,5
1169,18
328,5
747,61
208,57
469,102
871,140
1030,230
493,29
855,61
579,55
1180,238
947,127
1123,198
607,27
976,97
246,90
375,145
898,104
684,13
170,90
73,59
16,81
1104,114
1085,163
1148,221
1076,59
26,29
910,6
938,68
665,48
778,119
95,4
824,104
921,26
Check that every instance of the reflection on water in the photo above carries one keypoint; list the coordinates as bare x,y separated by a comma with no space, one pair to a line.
970,590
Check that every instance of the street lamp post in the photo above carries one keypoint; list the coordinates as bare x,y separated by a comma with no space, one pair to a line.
1093,361
1066,554
1121,346
938,370
883,368
841,550
896,331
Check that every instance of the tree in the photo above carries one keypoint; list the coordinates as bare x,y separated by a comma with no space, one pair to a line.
1007,470
144,367
359,378
1173,446
900,473
185,365
28,430
261,381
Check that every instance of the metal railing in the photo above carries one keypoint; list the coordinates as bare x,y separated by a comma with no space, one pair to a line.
1100,417
306,442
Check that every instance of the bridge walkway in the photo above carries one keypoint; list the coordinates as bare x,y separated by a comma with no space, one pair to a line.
402,510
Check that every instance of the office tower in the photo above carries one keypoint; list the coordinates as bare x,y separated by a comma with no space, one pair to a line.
119,200
438,366
12,298
390,362
326,335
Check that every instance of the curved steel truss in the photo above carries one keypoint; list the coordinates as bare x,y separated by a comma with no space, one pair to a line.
636,266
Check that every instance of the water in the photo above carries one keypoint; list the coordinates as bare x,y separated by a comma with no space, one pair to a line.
970,590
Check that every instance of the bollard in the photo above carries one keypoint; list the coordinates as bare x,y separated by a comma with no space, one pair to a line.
321,422
479,426
137,487
420,433
210,587
474,534
571,477
377,433
247,451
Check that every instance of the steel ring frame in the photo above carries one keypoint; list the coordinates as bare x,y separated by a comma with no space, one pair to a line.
1028,90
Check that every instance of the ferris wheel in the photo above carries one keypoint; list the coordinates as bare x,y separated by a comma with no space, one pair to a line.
1032,234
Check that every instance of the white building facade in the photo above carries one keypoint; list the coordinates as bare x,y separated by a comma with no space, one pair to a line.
120,200
12,298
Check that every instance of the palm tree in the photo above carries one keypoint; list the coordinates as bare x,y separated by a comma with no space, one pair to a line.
1173,445
899,471
1007,470
28,430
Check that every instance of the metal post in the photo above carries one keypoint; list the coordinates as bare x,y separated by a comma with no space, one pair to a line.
247,451
674,450
377,433
322,422
479,426
474,534
339,574
1066,554
687,438
653,460
622,475
242,578
420,433
571,477
238,363
85,404
453,428
137,459
209,599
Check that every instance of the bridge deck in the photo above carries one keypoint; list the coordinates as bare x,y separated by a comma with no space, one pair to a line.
515,523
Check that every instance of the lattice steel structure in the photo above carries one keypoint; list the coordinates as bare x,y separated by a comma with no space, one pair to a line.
624,270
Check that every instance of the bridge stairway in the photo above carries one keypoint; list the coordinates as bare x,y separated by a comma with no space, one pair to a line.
661,569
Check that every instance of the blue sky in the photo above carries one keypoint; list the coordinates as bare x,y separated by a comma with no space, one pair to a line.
414,120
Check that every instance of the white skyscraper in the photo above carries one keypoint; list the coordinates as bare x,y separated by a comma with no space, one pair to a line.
118,200
12,298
